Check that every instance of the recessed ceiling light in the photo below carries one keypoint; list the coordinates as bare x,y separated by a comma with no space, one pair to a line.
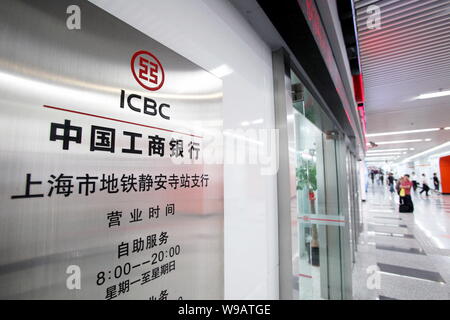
378,154
388,150
439,155
427,151
222,71
401,132
383,157
434,95
401,141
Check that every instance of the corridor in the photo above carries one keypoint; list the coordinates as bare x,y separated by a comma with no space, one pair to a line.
410,250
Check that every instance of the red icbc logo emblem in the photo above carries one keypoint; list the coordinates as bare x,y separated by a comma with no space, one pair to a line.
147,70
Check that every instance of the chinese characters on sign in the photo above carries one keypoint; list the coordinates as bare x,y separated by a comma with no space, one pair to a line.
103,139
110,183
103,161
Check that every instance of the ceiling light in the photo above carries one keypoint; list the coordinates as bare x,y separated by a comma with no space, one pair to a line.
427,151
389,150
380,160
434,94
439,155
384,158
401,132
222,71
378,154
257,121
402,141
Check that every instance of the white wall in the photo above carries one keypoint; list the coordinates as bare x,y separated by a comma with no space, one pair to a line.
212,33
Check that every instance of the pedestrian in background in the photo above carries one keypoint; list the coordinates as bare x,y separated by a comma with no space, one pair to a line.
436,182
406,204
425,186
390,181
414,181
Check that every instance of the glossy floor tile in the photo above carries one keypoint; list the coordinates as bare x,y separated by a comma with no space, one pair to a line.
403,256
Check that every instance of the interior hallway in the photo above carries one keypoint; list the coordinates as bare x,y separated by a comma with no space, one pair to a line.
411,250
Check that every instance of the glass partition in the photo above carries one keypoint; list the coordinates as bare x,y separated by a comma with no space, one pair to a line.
321,206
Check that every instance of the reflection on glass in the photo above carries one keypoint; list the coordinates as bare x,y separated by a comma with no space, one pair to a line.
319,202
308,152
310,190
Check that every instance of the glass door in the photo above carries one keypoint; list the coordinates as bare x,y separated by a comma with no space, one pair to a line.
310,189
320,202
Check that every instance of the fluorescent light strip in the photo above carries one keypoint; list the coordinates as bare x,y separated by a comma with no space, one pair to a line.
257,121
400,132
383,154
444,154
401,141
433,95
427,151
389,150
383,158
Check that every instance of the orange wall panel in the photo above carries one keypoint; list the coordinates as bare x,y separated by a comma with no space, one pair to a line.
444,165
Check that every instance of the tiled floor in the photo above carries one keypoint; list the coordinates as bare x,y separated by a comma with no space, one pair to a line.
403,255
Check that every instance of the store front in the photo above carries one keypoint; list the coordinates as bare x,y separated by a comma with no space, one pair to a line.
319,126
321,247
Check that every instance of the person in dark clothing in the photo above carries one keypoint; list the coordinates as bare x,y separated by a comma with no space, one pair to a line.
382,178
414,181
425,187
436,182
372,176
390,181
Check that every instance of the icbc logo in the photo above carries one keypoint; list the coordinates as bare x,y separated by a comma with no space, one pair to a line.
147,70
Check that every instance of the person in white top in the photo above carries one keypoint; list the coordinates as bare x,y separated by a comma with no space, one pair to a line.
425,186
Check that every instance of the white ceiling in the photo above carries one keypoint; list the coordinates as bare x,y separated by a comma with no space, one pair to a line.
409,55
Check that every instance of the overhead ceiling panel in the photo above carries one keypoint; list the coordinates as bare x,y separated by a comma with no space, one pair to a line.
407,56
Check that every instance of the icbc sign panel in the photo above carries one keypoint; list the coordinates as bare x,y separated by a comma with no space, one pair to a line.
105,188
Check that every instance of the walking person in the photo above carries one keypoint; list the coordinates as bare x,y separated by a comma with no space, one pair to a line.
372,176
436,182
425,186
414,181
390,181
382,178
406,204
